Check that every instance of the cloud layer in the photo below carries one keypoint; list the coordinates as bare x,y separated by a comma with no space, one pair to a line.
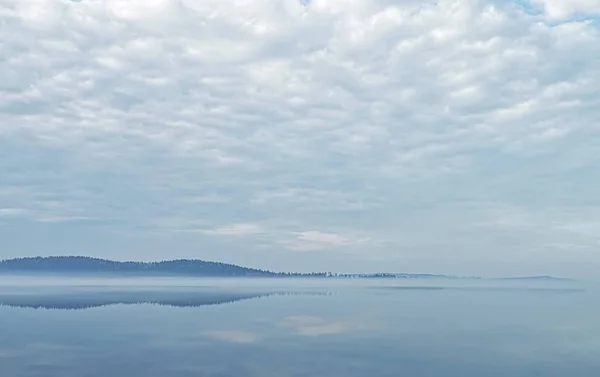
447,136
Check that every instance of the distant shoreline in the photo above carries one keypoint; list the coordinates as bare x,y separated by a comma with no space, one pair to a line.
88,266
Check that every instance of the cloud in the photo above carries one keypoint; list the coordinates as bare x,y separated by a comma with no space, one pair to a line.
560,9
317,240
12,212
324,238
242,229
409,133
62,219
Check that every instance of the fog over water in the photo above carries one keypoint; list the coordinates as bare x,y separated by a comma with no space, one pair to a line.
37,280
68,327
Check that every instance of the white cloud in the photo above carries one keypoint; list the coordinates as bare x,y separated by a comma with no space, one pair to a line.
12,212
321,237
242,229
317,240
62,219
560,9
326,126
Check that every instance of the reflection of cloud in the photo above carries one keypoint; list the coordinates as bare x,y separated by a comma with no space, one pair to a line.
233,336
323,329
6,353
52,350
315,326
46,346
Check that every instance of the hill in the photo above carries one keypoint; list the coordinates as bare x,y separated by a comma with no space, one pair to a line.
80,265
535,278
86,265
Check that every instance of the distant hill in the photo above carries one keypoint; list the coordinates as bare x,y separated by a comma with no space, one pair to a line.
86,265
80,265
535,278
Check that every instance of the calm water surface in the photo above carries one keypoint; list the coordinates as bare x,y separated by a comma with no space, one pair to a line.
239,328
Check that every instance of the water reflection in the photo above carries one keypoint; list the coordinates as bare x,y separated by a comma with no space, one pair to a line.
357,331
172,298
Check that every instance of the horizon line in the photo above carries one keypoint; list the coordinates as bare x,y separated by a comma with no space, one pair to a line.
474,277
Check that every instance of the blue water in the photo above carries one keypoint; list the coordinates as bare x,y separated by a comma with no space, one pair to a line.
218,328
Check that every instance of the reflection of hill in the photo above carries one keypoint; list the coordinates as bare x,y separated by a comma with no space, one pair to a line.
88,300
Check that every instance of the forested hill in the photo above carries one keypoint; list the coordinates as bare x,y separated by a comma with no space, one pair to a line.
86,265
80,265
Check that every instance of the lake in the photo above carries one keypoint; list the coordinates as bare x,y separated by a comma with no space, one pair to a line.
311,327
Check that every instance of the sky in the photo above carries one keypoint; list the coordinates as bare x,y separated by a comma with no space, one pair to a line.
450,136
